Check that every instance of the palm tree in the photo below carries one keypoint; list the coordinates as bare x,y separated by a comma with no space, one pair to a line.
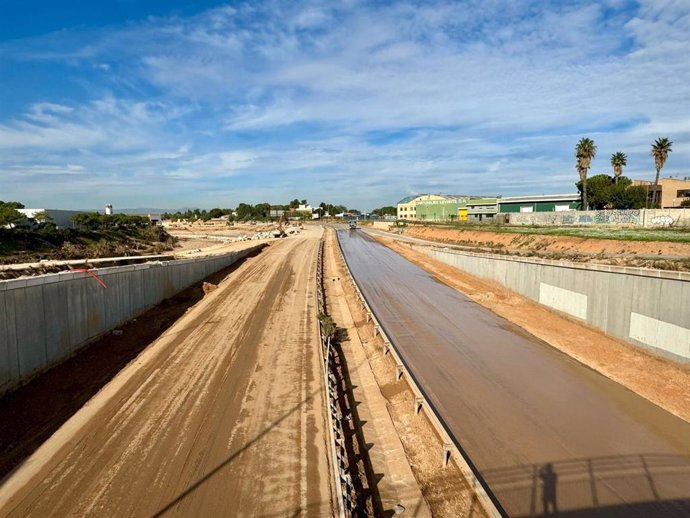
660,150
585,151
618,161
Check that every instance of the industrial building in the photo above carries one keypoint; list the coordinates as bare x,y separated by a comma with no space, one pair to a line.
407,207
440,210
539,203
439,207
482,209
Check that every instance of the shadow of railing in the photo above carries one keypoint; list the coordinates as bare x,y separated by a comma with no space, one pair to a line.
617,485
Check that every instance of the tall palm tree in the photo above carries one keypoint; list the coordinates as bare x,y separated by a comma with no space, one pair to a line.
618,161
585,151
660,150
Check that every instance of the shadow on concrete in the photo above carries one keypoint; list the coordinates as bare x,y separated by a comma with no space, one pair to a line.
611,486
30,414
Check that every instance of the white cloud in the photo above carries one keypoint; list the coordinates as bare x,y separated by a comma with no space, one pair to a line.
361,100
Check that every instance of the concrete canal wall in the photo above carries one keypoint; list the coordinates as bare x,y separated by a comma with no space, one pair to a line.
47,318
648,308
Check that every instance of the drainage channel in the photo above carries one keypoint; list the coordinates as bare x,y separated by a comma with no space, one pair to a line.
451,449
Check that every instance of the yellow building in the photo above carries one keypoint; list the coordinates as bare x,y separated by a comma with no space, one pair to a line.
407,207
674,191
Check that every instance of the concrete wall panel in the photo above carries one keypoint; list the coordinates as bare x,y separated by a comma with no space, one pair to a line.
56,318
29,317
606,297
77,308
568,301
45,319
9,364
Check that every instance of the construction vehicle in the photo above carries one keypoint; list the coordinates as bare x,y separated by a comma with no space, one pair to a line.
280,232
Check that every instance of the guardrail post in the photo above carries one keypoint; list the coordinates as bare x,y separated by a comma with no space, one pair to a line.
418,403
386,348
399,371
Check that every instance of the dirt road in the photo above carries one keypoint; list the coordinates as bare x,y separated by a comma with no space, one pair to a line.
544,430
221,416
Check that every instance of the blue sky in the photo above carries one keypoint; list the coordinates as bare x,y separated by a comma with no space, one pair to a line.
178,104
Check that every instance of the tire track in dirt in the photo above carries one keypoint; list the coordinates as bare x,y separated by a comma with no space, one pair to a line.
203,422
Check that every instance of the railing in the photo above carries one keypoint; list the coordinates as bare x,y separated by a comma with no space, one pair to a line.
345,491
451,448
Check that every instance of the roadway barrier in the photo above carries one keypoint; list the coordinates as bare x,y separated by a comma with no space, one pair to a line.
345,492
47,318
647,308
451,448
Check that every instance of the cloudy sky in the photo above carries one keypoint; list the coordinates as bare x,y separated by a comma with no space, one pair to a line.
202,104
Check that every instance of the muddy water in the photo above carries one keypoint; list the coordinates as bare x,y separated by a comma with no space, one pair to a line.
545,431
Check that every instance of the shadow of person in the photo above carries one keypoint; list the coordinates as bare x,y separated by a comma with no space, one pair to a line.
548,497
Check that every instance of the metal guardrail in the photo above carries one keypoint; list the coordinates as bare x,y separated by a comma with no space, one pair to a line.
451,447
345,491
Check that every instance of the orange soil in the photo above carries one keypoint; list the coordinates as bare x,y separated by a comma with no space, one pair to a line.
554,244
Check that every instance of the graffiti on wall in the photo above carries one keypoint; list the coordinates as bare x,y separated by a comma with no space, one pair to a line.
647,217
617,217
661,221
592,217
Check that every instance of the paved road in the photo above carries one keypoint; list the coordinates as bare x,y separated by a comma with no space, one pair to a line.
221,416
541,428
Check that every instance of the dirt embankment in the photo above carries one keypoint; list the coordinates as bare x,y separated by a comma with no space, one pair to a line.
611,251
658,380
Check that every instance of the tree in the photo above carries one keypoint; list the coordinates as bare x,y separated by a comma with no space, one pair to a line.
385,211
10,216
607,192
12,204
293,204
215,213
685,203
43,219
660,150
244,212
632,197
618,161
599,191
262,211
585,151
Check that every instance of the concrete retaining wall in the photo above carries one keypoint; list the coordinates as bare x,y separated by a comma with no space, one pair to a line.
382,225
647,308
633,217
47,318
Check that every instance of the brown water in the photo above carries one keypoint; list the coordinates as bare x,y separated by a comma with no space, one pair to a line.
545,431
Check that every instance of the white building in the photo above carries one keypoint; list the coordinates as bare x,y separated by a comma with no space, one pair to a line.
61,218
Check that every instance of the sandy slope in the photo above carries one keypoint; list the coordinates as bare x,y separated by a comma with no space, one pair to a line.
221,416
